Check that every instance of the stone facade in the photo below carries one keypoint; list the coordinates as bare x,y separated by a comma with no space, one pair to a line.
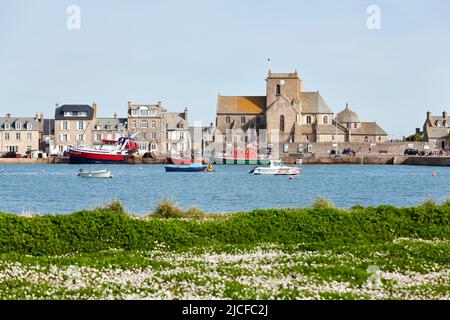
436,131
289,117
19,134
74,125
108,128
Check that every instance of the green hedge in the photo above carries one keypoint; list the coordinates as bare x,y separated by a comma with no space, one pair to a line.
91,231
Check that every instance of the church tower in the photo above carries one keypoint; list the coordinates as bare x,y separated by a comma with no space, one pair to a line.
288,85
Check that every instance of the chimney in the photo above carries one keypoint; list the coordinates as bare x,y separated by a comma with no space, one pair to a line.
428,115
115,115
186,114
56,105
36,116
444,114
8,115
94,106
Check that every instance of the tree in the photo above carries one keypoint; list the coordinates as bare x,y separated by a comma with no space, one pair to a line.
414,138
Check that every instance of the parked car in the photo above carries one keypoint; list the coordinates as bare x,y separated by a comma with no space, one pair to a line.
411,152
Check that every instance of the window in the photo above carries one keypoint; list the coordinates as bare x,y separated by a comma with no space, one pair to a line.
181,135
7,126
332,137
144,135
356,125
325,120
153,135
67,114
82,114
153,147
7,136
349,125
227,120
134,124
153,124
98,137
12,148
308,120
17,136
144,123
135,112
29,136
281,123
80,125
379,138
65,138
153,113
286,148
81,137
108,127
181,125
29,126
144,112
278,90
18,125
143,146
242,120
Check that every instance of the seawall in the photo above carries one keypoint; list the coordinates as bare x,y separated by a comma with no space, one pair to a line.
428,161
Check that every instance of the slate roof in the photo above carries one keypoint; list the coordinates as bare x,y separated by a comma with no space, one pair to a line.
49,127
369,128
24,120
59,112
437,132
313,103
103,123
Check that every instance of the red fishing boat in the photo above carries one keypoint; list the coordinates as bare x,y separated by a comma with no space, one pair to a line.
110,152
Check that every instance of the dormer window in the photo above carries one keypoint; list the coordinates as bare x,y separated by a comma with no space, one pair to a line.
7,126
29,126
108,127
135,112
68,114
82,114
18,125
181,126
152,113
308,120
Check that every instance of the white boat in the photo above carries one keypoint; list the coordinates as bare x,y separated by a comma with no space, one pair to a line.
95,174
276,167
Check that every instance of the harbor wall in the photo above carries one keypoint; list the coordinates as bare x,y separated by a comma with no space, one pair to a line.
428,161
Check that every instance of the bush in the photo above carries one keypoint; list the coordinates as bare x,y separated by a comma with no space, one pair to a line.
446,203
194,213
114,206
167,210
357,207
323,203
430,203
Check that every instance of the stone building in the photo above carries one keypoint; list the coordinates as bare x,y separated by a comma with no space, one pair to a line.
357,131
108,128
19,134
290,116
436,131
177,137
74,125
158,131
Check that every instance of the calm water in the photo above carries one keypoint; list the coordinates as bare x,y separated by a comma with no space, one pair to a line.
230,188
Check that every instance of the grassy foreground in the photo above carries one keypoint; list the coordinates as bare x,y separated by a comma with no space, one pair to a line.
315,253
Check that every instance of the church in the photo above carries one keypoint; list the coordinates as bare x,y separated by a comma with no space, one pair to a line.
297,117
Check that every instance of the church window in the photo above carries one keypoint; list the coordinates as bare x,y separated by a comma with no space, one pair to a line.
356,125
227,120
242,120
325,120
348,125
281,123
308,120
278,90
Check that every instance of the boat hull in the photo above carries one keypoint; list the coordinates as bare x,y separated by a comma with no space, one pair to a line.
95,174
89,157
186,168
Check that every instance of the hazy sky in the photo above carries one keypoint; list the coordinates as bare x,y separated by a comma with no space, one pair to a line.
184,53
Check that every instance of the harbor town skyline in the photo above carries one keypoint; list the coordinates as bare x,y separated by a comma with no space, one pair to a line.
215,49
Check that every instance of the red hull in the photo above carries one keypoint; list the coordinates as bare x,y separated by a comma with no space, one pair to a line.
76,156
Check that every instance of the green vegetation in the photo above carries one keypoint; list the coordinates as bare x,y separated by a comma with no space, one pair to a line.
319,252
414,138
323,203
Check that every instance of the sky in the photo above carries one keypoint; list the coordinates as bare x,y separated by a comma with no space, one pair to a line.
184,53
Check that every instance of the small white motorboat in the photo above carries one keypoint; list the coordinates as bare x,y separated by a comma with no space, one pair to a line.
276,167
95,174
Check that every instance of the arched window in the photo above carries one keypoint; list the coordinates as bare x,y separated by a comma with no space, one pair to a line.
281,123
153,124
227,120
325,120
242,120
144,124
278,90
308,119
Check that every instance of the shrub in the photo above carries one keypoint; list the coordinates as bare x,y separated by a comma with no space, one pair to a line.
114,206
430,203
323,203
194,213
357,207
167,210
446,203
